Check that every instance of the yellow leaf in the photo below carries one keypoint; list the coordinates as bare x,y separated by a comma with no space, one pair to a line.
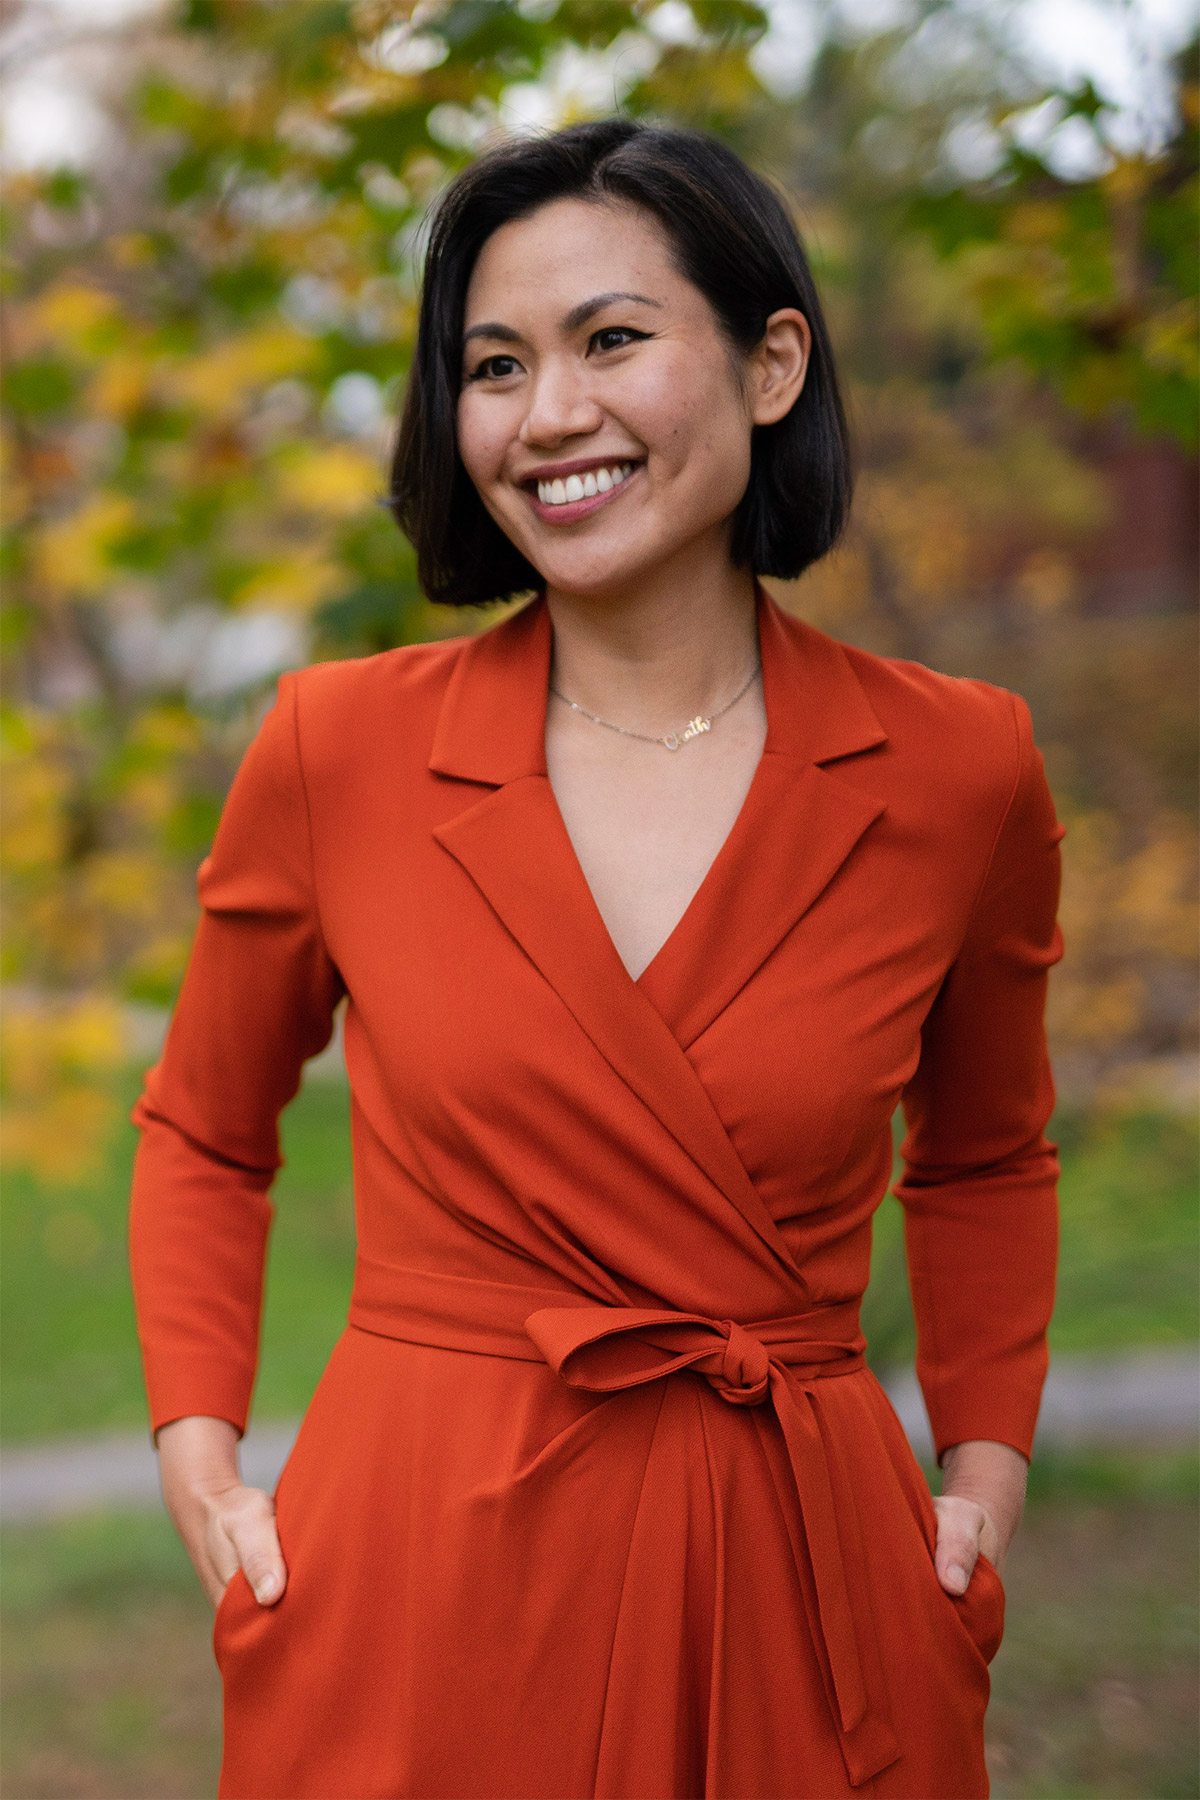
57,1060
160,963
63,1138
336,482
218,381
68,311
119,387
124,884
34,824
293,583
70,556
44,1043
166,729
150,796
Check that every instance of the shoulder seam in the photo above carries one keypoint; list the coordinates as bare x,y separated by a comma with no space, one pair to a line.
1004,816
294,691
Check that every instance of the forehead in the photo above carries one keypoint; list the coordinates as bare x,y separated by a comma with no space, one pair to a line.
568,249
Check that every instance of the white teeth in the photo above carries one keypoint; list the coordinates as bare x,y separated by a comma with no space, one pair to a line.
598,481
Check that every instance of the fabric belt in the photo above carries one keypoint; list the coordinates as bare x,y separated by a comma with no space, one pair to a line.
606,1348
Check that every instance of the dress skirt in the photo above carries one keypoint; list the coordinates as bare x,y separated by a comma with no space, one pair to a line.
567,1595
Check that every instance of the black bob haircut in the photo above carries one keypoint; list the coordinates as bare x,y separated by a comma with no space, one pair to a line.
729,235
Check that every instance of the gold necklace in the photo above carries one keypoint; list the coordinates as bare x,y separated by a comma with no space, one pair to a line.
672,739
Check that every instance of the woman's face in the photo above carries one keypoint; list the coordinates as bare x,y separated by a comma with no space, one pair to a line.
600,416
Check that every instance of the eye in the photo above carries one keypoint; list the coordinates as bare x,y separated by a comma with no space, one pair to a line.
617,331
486,369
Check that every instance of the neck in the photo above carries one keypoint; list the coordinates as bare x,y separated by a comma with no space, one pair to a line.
662,653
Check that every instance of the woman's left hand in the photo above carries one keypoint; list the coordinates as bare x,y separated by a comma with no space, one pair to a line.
978,1509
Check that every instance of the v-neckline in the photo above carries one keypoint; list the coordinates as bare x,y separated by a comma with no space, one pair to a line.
696,903
796,826
648,980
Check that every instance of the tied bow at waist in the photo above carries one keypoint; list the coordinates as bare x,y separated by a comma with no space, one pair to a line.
604,1349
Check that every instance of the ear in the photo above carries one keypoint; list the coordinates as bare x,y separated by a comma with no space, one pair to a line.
779,364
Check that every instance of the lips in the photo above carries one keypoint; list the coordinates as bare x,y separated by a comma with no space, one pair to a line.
583,487
561,510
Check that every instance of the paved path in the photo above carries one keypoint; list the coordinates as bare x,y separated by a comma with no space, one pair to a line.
1151,1397
1148,1398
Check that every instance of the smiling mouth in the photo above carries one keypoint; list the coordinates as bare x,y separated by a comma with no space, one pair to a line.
581,494
589,486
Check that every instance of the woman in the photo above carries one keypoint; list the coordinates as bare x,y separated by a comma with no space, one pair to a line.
649,906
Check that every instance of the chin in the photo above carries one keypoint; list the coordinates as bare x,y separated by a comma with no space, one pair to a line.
597,574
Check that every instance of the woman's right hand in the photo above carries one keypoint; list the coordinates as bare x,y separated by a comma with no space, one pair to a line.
225,1526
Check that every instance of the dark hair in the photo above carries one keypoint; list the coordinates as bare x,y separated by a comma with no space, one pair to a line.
730,235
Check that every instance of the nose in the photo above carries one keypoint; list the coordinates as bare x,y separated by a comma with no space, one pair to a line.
560,405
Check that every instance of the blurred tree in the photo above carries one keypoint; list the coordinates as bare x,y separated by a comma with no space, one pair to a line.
1006,287
986,305
1089,284
206,332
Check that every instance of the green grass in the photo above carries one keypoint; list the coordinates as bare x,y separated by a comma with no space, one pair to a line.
110,1692
110,1689
1127,1274
1128,1257
1128,1269
1094,1687
67,1333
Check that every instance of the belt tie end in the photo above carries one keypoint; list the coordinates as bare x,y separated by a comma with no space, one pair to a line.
605,1349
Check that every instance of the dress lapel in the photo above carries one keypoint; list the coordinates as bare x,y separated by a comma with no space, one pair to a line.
514,846
797,828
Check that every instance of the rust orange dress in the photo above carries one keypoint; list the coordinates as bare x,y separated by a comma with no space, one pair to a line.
596,1496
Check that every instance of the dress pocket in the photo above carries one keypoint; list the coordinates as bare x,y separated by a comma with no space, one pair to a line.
981,1608
237,1588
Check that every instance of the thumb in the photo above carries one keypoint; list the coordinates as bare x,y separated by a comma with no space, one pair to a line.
254,1537
960,1523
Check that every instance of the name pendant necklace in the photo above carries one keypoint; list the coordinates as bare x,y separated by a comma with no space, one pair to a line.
671,740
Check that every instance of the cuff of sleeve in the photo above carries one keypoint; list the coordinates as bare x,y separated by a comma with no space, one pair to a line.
998,1402
199,1386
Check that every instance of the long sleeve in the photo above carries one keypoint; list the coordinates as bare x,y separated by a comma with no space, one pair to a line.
257,1000
979,1186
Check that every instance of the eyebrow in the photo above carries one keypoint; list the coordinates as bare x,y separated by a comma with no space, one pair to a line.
578,315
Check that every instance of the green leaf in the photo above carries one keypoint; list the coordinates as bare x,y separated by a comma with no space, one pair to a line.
40,385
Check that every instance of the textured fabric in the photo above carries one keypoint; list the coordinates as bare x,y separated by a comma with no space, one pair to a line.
596,1496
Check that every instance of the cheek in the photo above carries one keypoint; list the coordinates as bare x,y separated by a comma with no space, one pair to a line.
697,429
481,440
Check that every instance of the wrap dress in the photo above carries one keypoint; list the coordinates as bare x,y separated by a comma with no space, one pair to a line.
596,1495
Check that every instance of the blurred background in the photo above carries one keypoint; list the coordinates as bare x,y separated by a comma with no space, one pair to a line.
214,225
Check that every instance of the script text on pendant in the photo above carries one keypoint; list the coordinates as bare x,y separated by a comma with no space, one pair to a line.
697,725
